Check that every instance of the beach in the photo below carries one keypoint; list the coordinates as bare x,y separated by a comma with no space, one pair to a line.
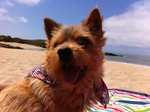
15,64
127,76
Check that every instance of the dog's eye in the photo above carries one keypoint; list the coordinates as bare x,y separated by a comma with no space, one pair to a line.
55,45
83,41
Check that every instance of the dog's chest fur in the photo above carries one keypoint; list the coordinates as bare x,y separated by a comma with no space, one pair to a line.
43,98
59,99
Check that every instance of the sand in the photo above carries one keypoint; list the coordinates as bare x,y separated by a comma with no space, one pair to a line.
128,77
15,65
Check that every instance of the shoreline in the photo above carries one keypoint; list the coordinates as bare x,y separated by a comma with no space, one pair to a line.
134,60
132,64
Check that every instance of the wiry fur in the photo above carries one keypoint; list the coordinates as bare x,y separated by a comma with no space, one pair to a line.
33,95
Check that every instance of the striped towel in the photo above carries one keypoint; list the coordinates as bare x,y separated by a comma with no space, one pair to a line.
123,101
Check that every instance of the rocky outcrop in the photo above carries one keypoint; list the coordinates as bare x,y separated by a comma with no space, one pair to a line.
112,54
10,46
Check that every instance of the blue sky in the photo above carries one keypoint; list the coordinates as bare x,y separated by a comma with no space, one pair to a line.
126,22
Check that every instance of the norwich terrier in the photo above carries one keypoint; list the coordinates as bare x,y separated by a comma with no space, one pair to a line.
70,78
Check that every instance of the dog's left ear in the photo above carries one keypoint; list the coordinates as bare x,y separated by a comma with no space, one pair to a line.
94,21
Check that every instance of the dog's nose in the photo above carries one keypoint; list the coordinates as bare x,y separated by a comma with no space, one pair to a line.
65,54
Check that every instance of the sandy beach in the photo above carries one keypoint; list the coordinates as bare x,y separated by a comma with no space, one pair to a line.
15,65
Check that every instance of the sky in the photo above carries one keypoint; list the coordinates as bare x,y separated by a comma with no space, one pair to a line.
126,22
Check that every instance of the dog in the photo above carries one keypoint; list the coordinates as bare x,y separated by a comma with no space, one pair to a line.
70,78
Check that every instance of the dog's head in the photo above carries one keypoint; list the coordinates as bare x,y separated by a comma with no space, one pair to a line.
74,53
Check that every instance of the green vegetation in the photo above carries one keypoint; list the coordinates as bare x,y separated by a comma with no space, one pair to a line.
37,42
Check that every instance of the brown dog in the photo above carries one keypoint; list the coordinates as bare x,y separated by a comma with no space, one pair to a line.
71,75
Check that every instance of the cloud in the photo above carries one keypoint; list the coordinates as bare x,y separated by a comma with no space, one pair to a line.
131,28
7,3
22,19
3,11
28,2
4,16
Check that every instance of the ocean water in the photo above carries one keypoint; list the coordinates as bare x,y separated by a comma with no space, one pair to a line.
131,59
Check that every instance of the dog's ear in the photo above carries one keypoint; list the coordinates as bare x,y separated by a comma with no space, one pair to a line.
94,21
49,26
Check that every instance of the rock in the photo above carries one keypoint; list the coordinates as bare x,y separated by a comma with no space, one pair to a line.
112,54
10,46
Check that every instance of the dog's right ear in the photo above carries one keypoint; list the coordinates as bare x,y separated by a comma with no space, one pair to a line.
49,26
94,21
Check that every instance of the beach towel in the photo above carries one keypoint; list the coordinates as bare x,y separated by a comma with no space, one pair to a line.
123,101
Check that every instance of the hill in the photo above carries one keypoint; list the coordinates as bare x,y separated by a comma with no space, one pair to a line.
36,42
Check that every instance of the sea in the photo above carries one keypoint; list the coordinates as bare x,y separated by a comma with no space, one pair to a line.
131,59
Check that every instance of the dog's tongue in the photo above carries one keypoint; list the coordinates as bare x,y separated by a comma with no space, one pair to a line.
71,75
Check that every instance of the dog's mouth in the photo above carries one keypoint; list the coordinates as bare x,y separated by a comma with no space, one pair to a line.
72,74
